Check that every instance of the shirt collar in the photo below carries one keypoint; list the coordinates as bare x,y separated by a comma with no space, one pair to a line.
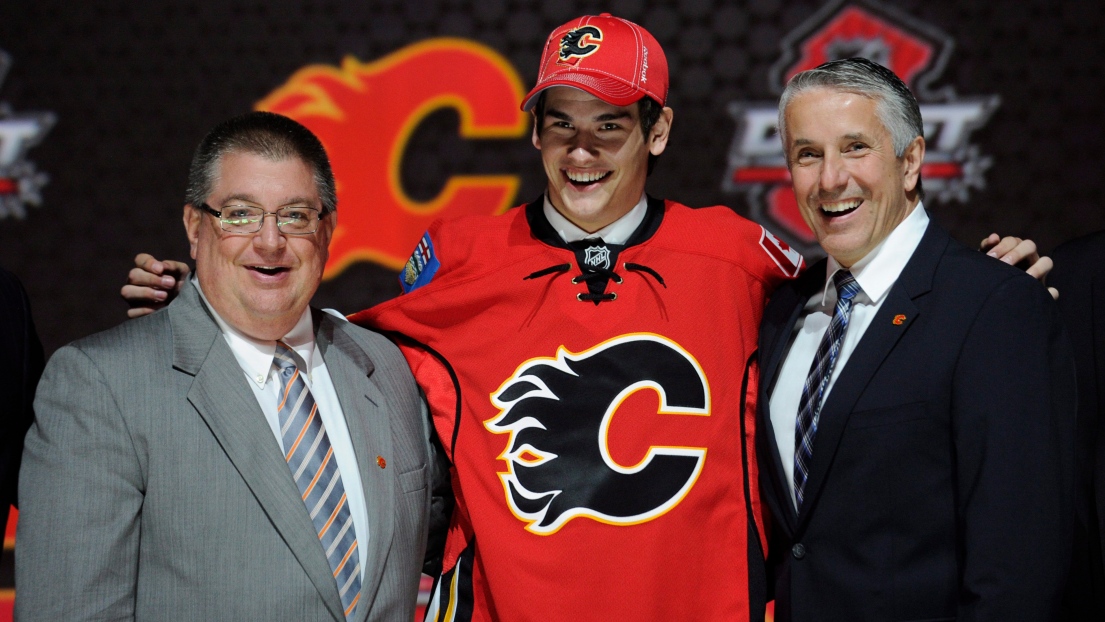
617,232
880,268
255,357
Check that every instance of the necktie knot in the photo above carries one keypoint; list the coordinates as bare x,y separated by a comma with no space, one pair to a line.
285,359
846,285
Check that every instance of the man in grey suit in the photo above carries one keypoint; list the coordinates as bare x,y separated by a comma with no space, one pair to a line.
238,455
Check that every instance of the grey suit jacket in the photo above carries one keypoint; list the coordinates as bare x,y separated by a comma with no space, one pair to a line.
152,487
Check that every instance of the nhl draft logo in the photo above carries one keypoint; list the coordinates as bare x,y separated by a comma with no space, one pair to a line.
917,52
559,413
597,256
20,182
579,43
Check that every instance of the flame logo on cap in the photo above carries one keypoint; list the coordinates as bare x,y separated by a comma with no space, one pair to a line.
578,43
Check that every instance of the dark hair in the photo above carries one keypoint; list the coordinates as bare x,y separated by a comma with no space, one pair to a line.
648,111
266,134
896,106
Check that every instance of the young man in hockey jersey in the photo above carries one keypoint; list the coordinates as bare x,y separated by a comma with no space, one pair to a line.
588,360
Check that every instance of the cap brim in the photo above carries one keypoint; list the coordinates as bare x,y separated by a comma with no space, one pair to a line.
609,90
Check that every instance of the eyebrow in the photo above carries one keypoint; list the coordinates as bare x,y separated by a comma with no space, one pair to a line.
802,142
557,114
249,198
606,116
613,116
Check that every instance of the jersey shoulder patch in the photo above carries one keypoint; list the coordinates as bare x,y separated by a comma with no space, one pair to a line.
788,259
421,267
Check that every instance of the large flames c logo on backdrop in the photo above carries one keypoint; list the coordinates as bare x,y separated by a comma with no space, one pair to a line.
364,113
917,52
20,182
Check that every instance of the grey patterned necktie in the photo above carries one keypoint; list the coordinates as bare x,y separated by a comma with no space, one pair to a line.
315,470
813,392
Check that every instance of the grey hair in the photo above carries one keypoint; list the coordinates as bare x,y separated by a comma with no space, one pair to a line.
269,135
895,104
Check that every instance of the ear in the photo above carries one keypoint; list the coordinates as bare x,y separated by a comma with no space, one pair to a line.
658,136
536,137
193,218
912,159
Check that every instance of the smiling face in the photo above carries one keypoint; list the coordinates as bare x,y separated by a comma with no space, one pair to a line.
259,283
595,155
851,188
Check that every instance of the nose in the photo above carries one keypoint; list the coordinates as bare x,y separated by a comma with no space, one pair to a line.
269,237
833,173
582,145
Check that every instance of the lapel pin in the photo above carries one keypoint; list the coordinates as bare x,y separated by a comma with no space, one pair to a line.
380,462
899,319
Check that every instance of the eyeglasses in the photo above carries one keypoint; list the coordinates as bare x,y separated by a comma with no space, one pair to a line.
294,220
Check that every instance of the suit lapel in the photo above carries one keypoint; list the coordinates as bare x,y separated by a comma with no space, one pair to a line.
365,410
222,398
782,314
893,319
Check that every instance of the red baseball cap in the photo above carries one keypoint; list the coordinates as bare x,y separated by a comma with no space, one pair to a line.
609,57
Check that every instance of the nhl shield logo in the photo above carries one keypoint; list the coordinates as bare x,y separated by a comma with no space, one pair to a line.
597,257
914,50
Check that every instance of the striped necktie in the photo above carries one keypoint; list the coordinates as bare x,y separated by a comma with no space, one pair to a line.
315,470
813,392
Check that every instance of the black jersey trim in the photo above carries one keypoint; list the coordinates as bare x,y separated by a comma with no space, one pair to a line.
397,337
456,600
543,231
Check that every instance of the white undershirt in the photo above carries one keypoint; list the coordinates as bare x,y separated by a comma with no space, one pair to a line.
256,358
617,232
875,273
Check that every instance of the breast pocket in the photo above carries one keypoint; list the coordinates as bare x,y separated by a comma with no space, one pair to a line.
413,480
889,415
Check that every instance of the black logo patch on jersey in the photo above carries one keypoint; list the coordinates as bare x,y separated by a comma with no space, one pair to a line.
578,43
597,256
558,413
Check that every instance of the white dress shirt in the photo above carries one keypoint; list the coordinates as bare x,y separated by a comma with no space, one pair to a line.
256,360
617,232
875,273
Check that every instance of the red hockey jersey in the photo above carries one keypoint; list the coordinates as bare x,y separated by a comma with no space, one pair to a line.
598,406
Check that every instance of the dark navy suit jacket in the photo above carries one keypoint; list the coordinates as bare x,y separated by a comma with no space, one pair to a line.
942,475
1080,277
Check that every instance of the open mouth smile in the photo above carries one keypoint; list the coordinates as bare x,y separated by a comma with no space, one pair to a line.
840,208
268,270
586,178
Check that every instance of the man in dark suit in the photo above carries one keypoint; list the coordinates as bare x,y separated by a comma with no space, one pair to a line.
1080,276
21,365
917,397
237,455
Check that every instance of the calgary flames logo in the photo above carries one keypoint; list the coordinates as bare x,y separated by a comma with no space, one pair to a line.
558,413
578,43
364,113
915,51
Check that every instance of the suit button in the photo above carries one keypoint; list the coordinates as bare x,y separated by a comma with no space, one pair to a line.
798,550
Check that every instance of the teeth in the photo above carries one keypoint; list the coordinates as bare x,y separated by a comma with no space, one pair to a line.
587,177
841,206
